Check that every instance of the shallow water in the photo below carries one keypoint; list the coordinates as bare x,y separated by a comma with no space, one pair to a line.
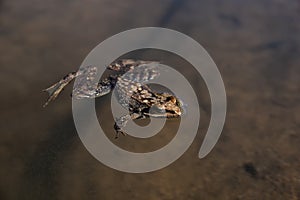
256,46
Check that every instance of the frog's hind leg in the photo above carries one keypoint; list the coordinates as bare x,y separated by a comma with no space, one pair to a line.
84,87
122,121
56,88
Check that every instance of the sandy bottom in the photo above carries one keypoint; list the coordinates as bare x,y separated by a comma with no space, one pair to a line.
256,46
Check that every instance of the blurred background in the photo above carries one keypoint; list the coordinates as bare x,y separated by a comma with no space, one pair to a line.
255,44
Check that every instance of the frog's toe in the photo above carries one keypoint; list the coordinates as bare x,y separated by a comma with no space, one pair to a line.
118,133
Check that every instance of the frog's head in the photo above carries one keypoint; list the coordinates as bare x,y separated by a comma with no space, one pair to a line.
169,106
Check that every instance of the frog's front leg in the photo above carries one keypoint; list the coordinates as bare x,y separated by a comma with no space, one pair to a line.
122,121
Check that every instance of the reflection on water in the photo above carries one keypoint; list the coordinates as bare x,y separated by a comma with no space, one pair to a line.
255,45
172,9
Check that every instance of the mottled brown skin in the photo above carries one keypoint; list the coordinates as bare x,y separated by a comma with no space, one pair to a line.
128,78
145,103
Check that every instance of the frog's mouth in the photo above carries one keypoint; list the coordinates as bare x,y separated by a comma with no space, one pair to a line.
157,112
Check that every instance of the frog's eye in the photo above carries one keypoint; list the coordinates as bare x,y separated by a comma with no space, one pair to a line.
172,99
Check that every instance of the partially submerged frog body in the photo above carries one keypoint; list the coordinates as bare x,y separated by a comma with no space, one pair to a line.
128,79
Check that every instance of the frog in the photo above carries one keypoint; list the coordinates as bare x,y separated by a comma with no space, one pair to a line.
129,79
